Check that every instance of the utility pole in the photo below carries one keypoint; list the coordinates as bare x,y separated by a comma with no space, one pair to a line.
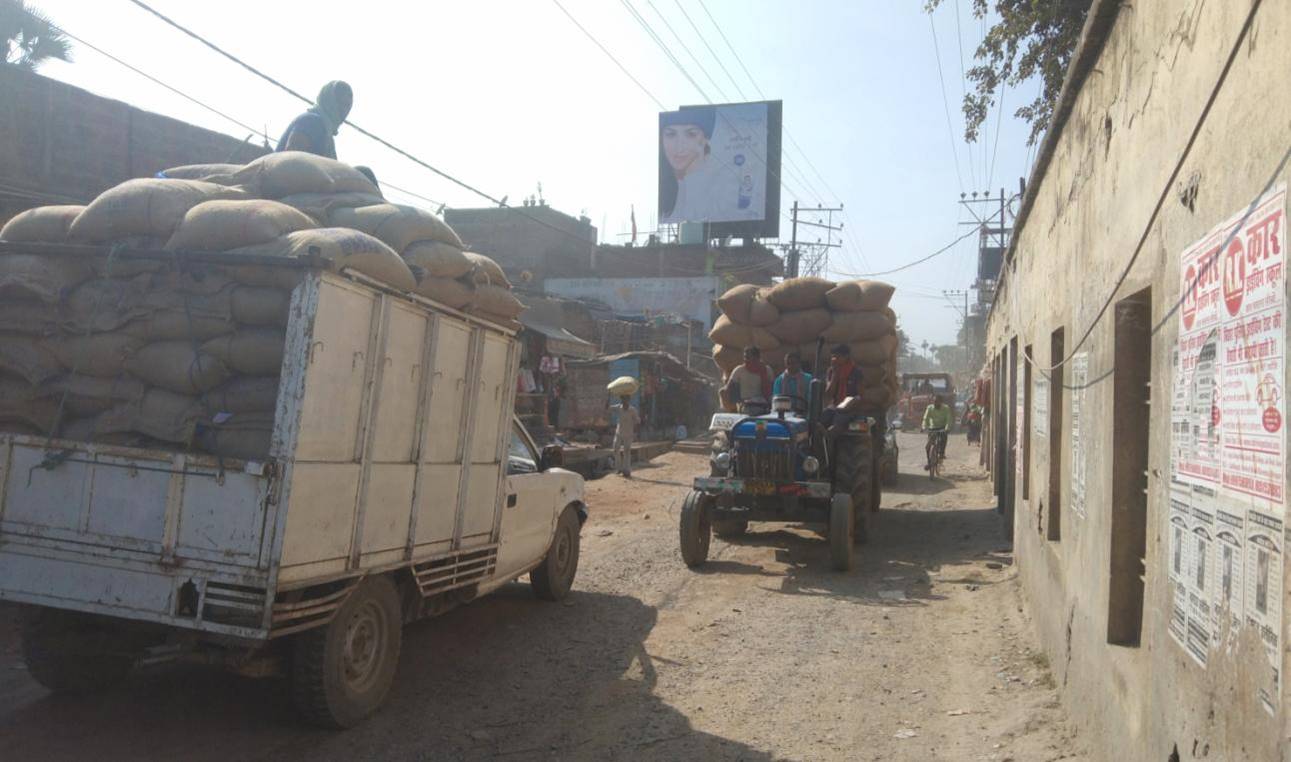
818,261
792,270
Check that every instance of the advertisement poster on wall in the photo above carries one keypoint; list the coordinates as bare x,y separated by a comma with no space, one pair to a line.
1228,435
1079,378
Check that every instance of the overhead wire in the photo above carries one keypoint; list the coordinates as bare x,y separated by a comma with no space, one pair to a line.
945,102
739,91
716,87
963,81
919,261
1165,194
411,157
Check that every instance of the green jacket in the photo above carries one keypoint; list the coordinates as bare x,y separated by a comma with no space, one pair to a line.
937,417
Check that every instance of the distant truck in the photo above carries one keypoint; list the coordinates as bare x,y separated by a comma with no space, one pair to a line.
917,391
398,485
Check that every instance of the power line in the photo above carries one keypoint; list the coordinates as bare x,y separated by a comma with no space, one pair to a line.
1169,184
921,260
999,119
711,52
611,56
945,102
689,52
731,48
963,83
649,30
357,128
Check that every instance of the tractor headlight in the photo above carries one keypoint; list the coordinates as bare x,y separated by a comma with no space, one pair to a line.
722,461
720,442
810,465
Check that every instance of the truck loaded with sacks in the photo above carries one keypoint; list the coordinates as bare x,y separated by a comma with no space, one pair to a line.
259,417
801,458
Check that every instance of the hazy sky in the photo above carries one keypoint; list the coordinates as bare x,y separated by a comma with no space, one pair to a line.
506,94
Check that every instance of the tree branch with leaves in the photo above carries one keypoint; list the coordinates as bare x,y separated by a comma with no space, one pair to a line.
1030,38
29,37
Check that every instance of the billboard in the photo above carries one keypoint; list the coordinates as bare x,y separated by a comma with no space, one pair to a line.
720,165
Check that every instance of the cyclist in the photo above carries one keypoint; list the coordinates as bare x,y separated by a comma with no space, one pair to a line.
936,420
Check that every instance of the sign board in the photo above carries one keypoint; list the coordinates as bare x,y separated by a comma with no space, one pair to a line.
1228,436
720,165
690,298
1079,445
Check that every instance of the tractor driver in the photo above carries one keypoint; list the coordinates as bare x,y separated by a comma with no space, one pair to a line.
841,382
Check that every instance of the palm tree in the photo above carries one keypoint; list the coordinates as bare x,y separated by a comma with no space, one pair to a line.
29,37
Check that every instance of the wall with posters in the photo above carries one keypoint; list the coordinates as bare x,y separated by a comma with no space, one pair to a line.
1106,218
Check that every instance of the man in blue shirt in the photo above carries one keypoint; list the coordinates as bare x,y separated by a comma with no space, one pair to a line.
313,131
794,382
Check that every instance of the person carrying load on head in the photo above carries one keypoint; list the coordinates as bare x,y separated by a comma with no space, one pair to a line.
314,130
794,382
749,387
625,433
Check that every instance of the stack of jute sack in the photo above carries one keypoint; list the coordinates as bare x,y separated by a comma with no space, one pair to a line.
158,350
796,314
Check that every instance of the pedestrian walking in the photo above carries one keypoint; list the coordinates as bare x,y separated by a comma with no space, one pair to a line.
624,435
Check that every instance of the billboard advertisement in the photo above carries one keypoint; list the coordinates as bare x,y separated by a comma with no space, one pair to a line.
720,165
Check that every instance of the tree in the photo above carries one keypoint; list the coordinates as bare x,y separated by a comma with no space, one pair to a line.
1030,38
29,36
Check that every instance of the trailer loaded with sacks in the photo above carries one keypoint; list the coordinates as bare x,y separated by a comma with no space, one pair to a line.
257,416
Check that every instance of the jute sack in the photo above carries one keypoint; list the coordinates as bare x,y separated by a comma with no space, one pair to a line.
28,357
260,305
199,171
178,366
21,402
343,247
851,327
86,430
84,395
801,326
397,225
320,206
253,351
243,394
32,317
875,376
762,312
623,386
874,352
451,293
859,296
105,304
496,301
727,358
876,397
159,413
44,224
735,303
285,173
732,334
47,278
143,207
486,271
799,293
102,354
246,436
224,225
437,259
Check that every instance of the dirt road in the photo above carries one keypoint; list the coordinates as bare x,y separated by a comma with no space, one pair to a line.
922,653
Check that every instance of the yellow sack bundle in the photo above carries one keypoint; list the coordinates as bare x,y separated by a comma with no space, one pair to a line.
623,386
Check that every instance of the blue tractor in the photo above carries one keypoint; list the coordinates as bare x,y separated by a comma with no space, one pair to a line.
817,467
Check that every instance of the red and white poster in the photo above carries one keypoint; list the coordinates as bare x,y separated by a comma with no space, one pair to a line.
1229,409
1228,438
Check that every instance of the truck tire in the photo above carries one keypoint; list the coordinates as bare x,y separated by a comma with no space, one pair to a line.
73,653
729,529
552,579
696,529
854,476
342,672
842,526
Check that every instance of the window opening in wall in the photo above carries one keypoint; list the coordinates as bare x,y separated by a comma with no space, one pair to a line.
1026,431
1057,351
1131,417
1010,418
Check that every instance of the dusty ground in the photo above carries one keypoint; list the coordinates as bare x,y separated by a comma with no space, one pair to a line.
922,653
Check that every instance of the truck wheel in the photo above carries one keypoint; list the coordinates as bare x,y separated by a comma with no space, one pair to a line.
854,475
552,579
73,653
342,672
696,529
842,526
730,528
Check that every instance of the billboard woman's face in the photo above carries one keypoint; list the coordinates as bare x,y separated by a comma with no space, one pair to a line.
684,146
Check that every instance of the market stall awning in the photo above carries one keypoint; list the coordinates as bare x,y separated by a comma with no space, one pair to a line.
559,341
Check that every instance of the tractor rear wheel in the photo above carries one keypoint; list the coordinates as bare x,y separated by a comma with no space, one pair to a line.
855,476
842,529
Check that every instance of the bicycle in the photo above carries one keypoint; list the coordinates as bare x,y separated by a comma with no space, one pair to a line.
935,450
